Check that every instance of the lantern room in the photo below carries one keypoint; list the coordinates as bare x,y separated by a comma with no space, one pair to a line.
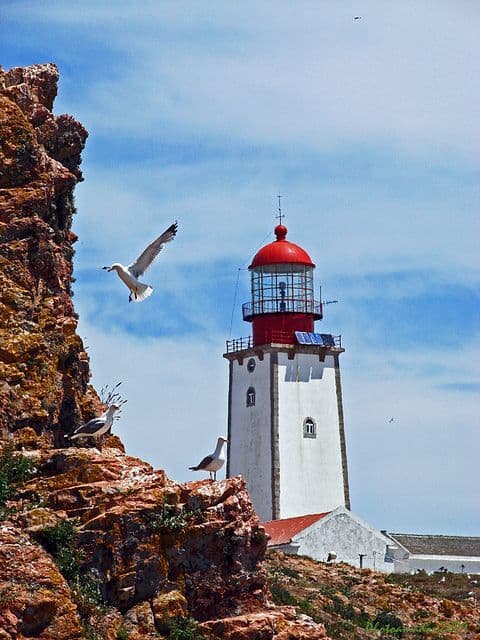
282,292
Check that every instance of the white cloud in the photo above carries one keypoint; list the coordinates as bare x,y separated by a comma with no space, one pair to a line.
225,212
304,74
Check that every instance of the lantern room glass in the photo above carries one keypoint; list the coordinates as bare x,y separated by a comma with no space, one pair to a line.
282,288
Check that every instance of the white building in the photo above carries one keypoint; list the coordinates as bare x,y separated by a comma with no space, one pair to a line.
457,554
338,536
285,415
341,536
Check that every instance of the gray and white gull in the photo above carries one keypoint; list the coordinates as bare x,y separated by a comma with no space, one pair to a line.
129,275
96,427
214,461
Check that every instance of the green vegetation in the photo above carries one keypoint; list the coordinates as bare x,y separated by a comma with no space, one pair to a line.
184,629
456,586
167,519
122,634
15,469
59,541
281,595
90,633
291,573
291,587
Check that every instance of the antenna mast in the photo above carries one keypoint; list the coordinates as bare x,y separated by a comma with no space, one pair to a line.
280,214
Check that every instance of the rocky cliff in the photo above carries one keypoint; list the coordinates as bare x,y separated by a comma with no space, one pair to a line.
44,369
95,543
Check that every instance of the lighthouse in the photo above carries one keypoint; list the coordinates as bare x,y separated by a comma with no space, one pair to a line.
285,414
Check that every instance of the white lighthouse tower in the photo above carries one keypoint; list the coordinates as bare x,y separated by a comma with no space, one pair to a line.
285,415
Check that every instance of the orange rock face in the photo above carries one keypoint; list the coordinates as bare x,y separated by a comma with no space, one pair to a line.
159,549
34,597
153,549
43,370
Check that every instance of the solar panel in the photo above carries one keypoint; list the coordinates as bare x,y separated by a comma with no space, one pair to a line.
328,339
303,337
320,339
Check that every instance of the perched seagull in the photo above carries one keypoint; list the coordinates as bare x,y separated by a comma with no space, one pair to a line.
214,461
96,427
129,275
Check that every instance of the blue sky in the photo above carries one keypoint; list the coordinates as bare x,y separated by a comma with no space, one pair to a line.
369,128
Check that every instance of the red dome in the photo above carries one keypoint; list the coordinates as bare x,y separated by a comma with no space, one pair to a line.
281,251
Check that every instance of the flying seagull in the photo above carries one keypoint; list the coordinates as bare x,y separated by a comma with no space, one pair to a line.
129,275
357,17
214,461
96,427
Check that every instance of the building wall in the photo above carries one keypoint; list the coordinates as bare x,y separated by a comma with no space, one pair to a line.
311,474
250,432
406,563
347,537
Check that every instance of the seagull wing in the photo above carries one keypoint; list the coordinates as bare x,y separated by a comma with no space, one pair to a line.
90,427
146,258
204,463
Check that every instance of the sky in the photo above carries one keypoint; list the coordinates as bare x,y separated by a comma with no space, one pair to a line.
369,128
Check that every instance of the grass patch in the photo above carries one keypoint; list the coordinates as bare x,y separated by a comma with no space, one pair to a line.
291,573
167,519
456,586
59,541
184,629
281,595
15,470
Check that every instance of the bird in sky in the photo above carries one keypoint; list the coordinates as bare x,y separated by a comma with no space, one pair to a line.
357,17
96,427
130,274
214,461
391,420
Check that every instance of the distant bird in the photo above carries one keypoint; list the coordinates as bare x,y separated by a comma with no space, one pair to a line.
357,17
129,275
214,461
391,420
442,579
331,556
96,427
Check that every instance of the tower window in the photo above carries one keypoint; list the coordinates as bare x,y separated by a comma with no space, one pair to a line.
250,397
309,428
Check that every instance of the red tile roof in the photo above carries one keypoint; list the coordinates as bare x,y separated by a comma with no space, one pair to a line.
282,531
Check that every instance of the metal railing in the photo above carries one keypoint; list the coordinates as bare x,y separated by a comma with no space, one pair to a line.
239,344
274,337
